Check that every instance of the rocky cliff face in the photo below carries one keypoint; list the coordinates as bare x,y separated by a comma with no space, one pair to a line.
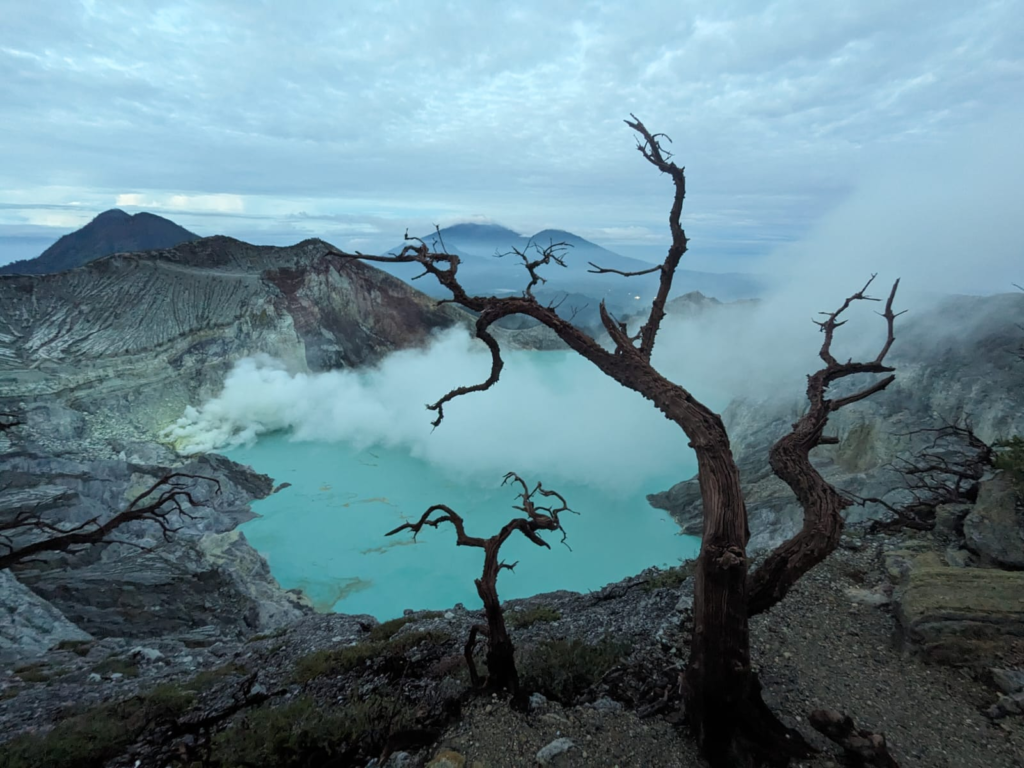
128,341
955,361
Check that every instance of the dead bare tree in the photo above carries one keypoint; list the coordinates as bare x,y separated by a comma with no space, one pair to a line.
722,693
501,668
171,495
946,469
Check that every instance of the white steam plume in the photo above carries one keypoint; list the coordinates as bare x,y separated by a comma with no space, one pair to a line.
551,414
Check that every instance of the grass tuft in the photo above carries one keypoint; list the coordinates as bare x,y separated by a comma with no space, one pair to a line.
531,616
564,669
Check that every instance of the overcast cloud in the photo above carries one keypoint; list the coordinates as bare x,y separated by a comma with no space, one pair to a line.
278,121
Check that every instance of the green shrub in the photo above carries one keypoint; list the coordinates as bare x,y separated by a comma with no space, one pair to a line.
337,661
301,733
279,632
79,647
564,669
37,672
208,678
405,643
531,616
95,736
388,629
670,578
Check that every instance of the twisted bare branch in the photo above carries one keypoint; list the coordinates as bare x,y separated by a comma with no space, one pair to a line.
169,496
790,460
650,146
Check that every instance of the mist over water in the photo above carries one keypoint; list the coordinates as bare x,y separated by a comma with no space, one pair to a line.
359,452
552,416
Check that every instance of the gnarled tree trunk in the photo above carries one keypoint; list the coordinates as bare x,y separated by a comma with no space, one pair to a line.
722,696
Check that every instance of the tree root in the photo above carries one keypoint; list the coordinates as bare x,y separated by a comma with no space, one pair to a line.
862,748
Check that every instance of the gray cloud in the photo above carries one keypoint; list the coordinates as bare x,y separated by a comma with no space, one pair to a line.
400,114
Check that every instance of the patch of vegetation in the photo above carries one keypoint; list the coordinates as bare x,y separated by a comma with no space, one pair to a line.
338,661
37,672
209,678
93,737
113,665
388,629
198,642
670,578
531,616
9,693
408,641
564,669
335,661
302,733
1010,458
79,647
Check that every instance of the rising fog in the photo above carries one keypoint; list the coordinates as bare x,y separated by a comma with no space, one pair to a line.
942,218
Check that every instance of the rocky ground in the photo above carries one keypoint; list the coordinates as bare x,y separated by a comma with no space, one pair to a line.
839,640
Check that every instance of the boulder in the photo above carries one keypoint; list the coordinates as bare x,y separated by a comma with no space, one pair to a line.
447,758
961,616
994,529
549,754
1008,680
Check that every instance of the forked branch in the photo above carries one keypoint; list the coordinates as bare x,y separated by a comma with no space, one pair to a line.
790,460
170,496
650,146
945,469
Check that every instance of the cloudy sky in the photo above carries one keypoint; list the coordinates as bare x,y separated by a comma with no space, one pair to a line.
275,121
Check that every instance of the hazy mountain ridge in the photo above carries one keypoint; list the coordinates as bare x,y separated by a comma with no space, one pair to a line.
483,271
112,231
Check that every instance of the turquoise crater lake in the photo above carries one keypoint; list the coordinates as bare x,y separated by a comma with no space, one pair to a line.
325,533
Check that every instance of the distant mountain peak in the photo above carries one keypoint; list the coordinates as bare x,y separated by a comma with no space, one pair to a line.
476,226
112,231
114,214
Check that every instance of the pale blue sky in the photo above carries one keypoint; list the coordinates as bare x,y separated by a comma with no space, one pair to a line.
276,121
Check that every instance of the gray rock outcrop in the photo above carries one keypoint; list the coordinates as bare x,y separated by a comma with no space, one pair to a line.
130,340
994,527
